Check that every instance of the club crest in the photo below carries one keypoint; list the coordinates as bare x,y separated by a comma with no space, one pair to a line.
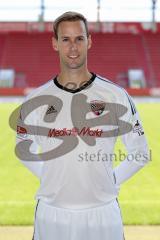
97,107
138,128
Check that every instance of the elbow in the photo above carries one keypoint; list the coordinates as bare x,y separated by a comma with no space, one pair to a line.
147,157
143,157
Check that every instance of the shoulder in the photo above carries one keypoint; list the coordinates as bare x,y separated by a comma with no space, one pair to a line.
110,86
39,91
119,93
35,99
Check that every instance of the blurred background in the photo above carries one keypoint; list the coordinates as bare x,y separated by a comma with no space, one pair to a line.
126,38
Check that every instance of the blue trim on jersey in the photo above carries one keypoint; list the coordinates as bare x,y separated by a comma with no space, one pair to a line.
132,105
35,219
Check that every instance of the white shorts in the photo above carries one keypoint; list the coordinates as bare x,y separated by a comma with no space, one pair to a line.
99,223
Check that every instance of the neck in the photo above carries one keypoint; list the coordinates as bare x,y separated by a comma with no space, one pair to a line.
74,77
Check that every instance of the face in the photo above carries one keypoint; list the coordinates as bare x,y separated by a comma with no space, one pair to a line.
72,44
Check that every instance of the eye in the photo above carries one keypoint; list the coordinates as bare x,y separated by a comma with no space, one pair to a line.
80,38
65,39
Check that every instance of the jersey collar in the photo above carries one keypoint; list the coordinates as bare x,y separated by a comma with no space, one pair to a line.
77,89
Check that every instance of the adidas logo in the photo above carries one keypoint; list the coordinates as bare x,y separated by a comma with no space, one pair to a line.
51,110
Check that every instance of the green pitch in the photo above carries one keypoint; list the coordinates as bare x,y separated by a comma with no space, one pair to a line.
139,197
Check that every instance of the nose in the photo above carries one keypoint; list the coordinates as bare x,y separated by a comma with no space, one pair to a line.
73,46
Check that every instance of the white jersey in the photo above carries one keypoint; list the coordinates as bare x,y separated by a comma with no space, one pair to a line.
76,131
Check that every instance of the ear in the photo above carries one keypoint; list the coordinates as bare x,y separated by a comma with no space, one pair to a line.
54,44
89,42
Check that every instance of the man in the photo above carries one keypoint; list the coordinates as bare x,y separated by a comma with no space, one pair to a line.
76,119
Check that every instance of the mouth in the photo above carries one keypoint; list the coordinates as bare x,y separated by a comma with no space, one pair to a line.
73,56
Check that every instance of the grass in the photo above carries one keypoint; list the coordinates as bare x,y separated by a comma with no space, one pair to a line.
139,197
